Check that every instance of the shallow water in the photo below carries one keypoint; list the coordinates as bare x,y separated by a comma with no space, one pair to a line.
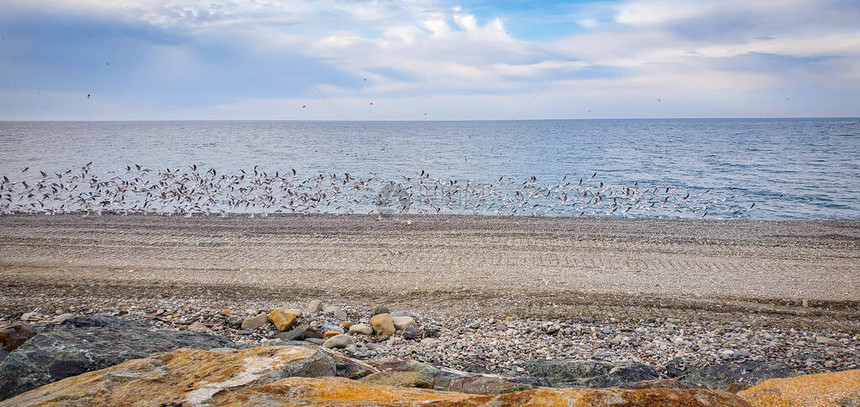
790,168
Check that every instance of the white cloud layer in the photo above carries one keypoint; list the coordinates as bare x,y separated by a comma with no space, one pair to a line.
417,56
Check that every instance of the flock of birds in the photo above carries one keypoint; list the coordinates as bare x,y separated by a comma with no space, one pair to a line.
197,191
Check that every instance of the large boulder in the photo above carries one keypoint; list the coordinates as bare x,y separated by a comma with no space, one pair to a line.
722,375
823,389
572,373
90,343
183,377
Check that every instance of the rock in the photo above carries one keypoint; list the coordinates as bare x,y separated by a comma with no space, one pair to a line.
361,329
401,323
255,322
672,383
339,391
183,377
13,336
485,385
331,334
568,373
31,317
346,324
295,311
292,335
348,367
337,312
59,319
379,310
326,326
3,355
80,345
721,376
823,389
410,332
234,321
283,320
199,327
339,341
316,341
401,379
315,306
382,325
828,341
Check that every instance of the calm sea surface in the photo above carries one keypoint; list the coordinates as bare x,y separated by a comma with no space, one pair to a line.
787,168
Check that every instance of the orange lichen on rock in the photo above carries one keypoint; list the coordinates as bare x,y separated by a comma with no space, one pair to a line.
338,391
823,389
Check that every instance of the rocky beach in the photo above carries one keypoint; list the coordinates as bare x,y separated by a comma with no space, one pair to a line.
507,303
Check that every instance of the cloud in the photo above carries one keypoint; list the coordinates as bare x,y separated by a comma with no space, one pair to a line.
228,55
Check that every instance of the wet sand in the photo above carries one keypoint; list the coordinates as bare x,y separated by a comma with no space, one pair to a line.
492,266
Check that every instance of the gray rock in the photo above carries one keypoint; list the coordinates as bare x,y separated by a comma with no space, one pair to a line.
380,310
399,314
234,321
255,322
327,327
721,376
315,306
569,373
317,341
361,329
90,343
402,322
410,332
339,341
292,335
485,385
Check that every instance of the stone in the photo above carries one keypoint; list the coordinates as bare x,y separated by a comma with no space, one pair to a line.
199,327
315,306
348,367
346,324
31,317
828,341
316,341
292,335
401,323
339,341
410,332
283,320
331,334
361,329
183,377
568,373
295,311
382,325
401,379
13,336
234,321
380,310
80,345
59,319
255,322
337,312
339,391
326,326
823,389
485,385
722,375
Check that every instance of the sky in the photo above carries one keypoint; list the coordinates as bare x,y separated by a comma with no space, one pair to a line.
427,59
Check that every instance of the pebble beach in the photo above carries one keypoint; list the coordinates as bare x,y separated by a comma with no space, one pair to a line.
58,267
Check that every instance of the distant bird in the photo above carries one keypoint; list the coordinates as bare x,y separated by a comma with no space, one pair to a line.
89,96
425,113
365,79
371,103
589,110
304,106
659,100
107,63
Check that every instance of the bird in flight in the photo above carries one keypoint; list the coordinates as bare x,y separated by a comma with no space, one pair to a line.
88,95
371,103
304,106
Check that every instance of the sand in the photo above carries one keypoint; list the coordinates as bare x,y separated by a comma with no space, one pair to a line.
497,266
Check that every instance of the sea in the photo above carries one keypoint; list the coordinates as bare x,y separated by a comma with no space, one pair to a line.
653,168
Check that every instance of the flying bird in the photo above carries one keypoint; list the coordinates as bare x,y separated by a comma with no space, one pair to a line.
88,95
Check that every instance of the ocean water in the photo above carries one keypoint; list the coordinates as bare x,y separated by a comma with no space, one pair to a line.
690,168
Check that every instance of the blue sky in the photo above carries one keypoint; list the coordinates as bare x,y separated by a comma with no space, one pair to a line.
427,60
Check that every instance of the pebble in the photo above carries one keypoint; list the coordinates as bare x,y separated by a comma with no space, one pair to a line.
255,322
315,306
401,323
339,341
361,329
